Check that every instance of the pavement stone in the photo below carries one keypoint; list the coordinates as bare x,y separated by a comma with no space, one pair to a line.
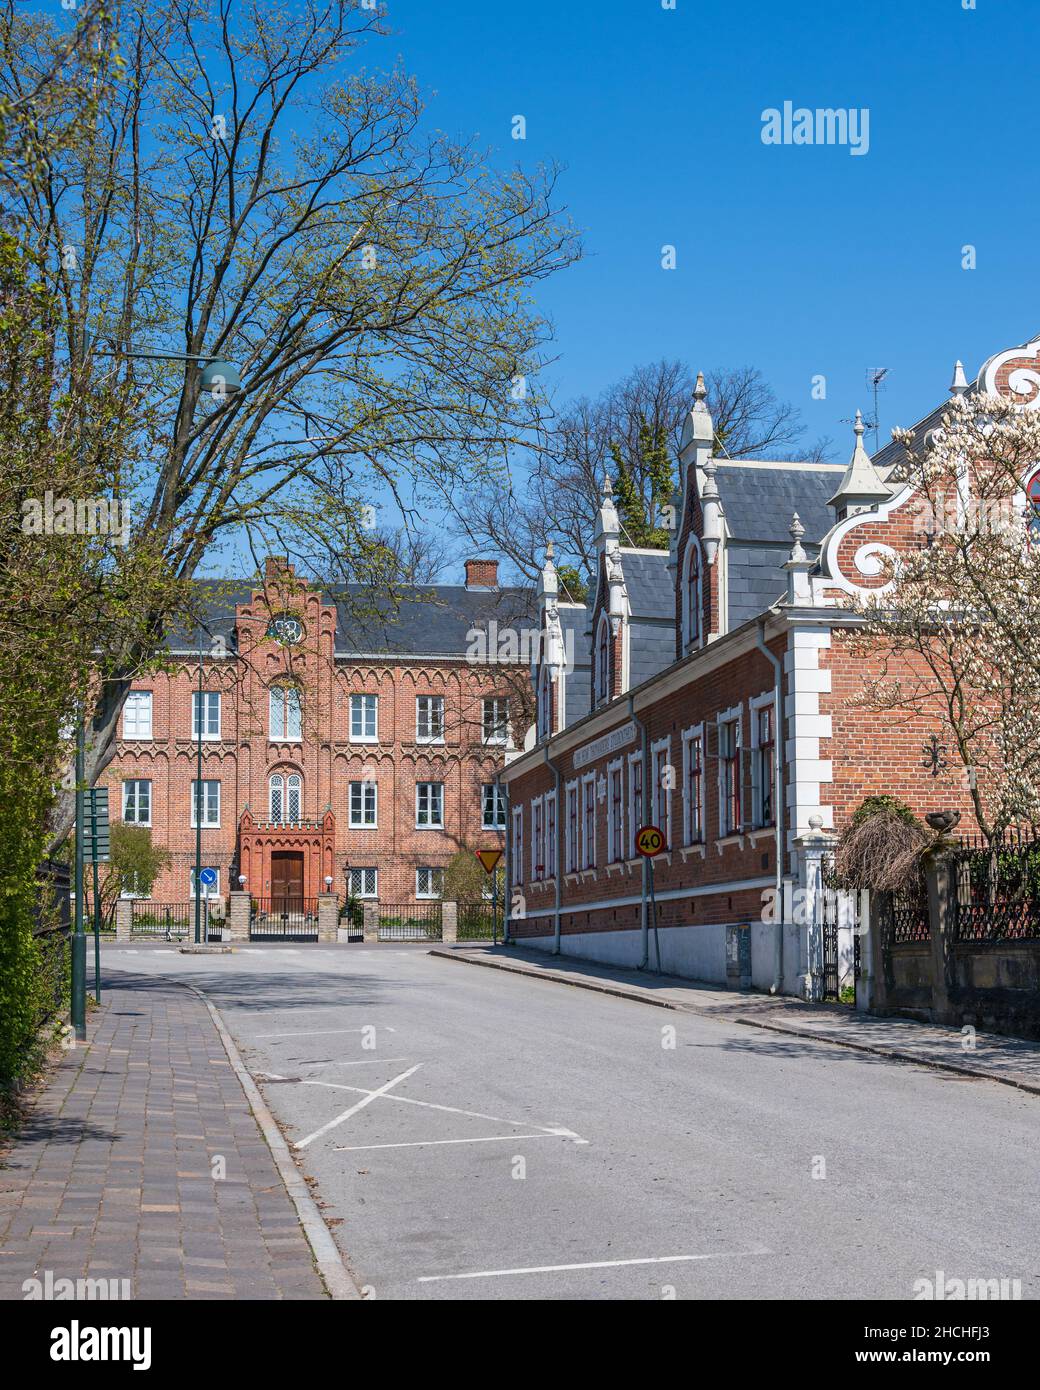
110,1175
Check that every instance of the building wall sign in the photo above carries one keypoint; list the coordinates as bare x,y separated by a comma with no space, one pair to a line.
609,743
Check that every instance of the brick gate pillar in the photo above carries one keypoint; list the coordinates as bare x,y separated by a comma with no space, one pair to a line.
328,916
371,922
449,922
124,918
238,916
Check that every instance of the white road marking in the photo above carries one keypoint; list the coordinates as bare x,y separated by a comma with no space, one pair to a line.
271,1075
428,1143
370,1061
369,1097
317,1032
454,1110
591,1264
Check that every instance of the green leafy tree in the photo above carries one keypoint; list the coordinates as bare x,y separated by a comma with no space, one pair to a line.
465,879
135,862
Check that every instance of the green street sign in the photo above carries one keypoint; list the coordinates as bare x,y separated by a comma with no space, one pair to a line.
96,845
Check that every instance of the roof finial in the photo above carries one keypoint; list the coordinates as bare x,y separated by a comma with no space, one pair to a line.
857,426
959,384
700,390
796,531
608,489
549,552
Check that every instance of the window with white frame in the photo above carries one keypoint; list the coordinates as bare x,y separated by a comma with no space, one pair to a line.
363,883
493,806
693,785
516,853
570,829
763,759
429,882
137,715
364,718
210,801
363,798
615,812
545,728
635,800
730,800
286,708
588,821
495,719
603,660
429,718
285,796
137,801
213,891
550,835
662,776
429,805
692,593
537,840
208,702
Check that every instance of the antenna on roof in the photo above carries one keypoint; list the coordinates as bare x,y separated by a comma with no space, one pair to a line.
875,380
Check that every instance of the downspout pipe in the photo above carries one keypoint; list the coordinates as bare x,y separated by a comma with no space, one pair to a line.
779,808
644,919
557,857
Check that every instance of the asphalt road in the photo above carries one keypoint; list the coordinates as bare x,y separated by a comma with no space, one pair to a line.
477,1135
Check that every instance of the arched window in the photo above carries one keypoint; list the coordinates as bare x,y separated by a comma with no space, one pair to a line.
546,706
285,798
692,597
603,660
1033,503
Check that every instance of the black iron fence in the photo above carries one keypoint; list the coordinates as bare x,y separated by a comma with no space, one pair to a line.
997,888
905,914
352,919
284,918
171,921
410,922
479,921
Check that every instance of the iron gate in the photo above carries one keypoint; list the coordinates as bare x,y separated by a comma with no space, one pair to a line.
842,934
283,919
479,921
410,922
352,919
168,921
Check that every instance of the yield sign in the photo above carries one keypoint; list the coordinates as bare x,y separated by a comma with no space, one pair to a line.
489,858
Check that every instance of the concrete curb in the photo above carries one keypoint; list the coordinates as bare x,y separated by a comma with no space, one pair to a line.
638,997
330,1263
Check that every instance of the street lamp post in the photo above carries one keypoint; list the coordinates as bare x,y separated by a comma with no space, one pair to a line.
198,808
79,941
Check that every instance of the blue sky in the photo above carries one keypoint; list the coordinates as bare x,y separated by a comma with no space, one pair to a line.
796,259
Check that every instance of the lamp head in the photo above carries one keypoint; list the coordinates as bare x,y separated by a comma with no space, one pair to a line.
221,379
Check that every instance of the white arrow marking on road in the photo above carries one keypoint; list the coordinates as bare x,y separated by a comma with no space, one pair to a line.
369,1097
592,1264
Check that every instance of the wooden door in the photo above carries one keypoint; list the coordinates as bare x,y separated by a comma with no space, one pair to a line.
287,876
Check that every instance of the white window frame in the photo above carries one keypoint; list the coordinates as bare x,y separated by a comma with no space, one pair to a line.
615,769
552,835
369,804
435,888
538,839
210,733
516,855
661,796
434,718
694,734
430,824
571,830
214,888
140,703
499,739
363,870
136,782
360,700
693,546
635,823
207,824
282,783
767,700
588,843
278,699
497,802
735,714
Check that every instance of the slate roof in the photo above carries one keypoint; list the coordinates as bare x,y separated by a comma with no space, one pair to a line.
758,499
429,620
579,678
651,588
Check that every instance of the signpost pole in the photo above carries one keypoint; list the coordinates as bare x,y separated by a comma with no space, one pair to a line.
653,918
97,897
79,941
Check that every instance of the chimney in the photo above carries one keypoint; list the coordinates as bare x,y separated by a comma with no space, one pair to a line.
481,574
275,566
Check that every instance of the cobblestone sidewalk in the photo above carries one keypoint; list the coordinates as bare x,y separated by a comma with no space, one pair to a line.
117,1174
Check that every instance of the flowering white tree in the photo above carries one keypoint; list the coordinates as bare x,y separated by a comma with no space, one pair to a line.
959,629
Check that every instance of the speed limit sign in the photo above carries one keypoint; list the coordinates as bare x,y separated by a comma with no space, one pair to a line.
649,841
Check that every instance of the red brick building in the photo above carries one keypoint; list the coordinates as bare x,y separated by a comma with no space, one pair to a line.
358,752
715,696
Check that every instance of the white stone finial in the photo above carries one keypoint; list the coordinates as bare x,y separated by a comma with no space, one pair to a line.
959,384
858,423
549,553
700,392
796,531
608,487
